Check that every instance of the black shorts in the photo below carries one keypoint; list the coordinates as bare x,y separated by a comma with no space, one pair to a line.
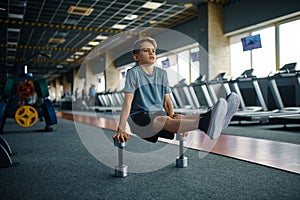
141,124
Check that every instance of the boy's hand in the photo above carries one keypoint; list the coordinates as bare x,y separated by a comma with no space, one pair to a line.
121,136
179,116
176,116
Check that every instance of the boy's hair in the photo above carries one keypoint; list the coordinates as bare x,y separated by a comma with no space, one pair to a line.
136,46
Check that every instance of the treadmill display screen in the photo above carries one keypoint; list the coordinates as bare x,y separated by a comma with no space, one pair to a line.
251,42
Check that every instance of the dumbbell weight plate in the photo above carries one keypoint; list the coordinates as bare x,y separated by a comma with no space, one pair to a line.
26,116
25,89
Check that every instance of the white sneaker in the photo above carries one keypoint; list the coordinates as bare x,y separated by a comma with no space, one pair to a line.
218,114
233,102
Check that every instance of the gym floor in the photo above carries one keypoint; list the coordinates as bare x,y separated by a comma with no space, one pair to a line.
74,162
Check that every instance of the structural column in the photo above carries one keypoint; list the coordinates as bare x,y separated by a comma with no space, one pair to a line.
214,46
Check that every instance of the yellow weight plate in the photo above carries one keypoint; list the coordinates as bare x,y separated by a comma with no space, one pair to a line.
26,116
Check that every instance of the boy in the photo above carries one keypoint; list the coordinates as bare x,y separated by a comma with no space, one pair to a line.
146,94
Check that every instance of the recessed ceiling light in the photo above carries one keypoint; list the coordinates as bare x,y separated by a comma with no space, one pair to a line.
15,16
59,66
188,5
119,26
86,48
152,5
78,10
12,43
56,40
101,37
79,53
152,21
70,60
93,43
130,17
13,30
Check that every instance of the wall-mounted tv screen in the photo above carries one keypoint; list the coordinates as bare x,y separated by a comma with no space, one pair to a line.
251,42
165,63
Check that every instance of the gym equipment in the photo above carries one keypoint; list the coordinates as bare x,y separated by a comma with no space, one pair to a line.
49,113
121,170
25,100
25,89
26,116
6,146
3,142
42,88
250,82
181,161
8,87
5,160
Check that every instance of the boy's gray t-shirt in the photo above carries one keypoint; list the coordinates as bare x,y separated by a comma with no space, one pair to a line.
148,89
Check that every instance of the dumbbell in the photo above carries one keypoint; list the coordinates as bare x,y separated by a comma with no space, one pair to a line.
181,160
121,170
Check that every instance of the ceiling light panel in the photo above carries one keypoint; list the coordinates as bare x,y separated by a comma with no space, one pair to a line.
93,43
131,17
119,26
152,5
15,16
101,37
56,40
79,53
86,48
79,10
16,30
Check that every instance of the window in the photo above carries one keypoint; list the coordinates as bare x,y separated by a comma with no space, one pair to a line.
264,59
240,60
184,65
289,37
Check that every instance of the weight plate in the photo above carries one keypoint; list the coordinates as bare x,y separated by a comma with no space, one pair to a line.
50,115
25,89
26,116
8,87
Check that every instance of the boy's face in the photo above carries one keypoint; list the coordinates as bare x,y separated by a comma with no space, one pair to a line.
146,54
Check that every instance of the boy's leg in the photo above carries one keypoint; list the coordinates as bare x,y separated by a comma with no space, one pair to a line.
212,123
233,102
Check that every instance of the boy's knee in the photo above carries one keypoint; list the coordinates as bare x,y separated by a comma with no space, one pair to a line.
160,122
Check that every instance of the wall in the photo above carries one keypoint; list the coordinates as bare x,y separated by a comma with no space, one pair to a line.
240,14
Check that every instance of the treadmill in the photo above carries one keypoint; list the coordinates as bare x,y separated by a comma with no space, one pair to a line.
247,78
280,113
288,118
185,100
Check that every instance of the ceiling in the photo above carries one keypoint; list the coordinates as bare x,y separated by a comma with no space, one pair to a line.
49,39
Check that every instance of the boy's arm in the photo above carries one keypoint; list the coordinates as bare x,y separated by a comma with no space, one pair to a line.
121,135
168,105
